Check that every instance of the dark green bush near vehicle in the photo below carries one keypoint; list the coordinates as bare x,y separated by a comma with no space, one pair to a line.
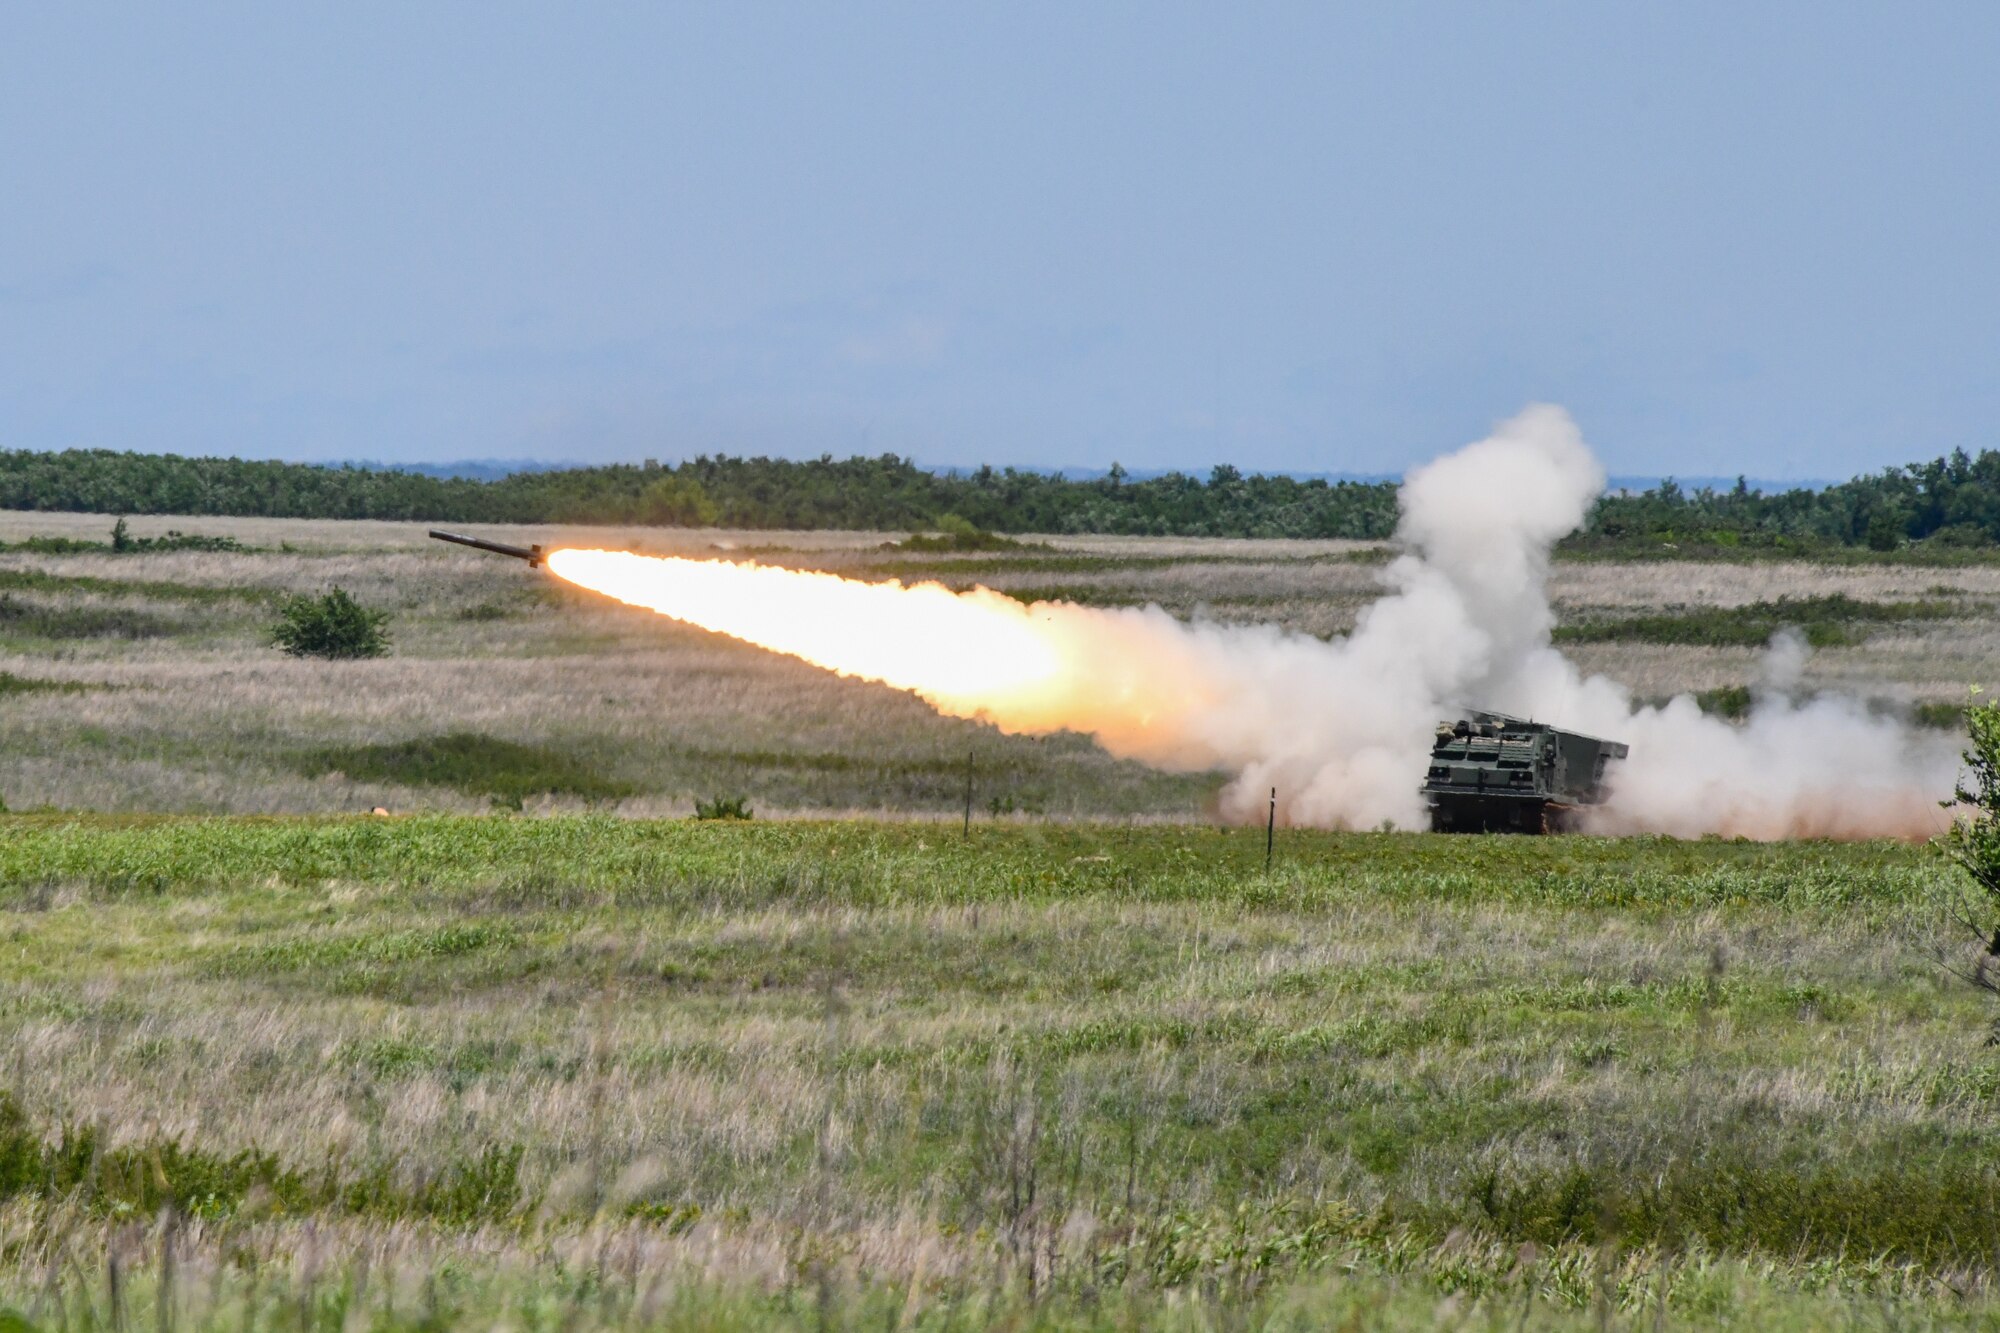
1726,701
332,625
722,807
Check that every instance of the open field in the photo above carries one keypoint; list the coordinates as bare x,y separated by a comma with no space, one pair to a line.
1092,1066
142,682
580,1072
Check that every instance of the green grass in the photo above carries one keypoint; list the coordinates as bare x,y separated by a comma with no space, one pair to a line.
1594,547
1939,715
44,621
1734,702
1095,1073
13,684
926,543
469,762
39,580
1828,621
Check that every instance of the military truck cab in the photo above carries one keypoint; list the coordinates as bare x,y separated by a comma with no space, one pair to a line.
1491,773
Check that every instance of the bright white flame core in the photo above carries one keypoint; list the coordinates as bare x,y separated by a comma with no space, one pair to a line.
963,652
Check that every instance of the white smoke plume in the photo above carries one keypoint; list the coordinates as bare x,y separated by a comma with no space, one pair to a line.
1343,729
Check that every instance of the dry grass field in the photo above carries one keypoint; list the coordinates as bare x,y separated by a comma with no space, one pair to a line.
144,682
578,1073
1095,1065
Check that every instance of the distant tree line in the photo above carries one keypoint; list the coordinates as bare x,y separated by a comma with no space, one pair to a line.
1949,501
1952,501
888,493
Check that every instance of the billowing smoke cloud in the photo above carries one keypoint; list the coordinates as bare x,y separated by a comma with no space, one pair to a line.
1343,729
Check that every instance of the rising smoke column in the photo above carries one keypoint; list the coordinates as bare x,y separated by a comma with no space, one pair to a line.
1342,729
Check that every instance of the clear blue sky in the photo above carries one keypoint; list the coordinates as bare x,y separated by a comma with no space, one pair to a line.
1728,237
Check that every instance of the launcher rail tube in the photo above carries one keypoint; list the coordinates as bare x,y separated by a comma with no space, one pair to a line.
531,554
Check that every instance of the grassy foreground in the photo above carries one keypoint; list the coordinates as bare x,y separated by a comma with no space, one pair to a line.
581,1072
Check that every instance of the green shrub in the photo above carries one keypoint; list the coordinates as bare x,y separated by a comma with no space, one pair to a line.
331,625
723,807
1973,840
1942,716
176,540
957,534
1730,701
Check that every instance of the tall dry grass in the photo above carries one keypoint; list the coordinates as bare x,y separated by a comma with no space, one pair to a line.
211,718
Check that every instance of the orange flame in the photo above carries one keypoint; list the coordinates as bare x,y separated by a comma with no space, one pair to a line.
965,652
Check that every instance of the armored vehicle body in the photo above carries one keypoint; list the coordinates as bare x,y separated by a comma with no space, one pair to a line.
1491,773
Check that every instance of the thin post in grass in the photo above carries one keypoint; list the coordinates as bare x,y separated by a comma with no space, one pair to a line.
1270,829
968,792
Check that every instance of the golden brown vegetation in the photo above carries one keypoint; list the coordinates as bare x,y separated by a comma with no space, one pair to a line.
190,709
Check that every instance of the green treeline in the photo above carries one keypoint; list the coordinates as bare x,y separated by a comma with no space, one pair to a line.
886,493
1951,501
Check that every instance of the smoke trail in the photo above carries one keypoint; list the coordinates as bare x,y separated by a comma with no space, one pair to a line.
1342,729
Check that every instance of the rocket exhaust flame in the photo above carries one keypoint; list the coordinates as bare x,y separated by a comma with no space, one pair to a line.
1341,728
961,652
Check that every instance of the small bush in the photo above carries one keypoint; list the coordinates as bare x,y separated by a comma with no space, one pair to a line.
1728,701
175,540
957,534
124,543
1942,716
723,807
1973,840
332,625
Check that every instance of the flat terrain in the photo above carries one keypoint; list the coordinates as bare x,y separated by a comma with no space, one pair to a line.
144,682
579,1072
1094,1065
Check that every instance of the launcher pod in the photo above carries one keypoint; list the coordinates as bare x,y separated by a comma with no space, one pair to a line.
531,554
1491,773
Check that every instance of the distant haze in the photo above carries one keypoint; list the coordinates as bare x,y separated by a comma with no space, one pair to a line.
1291,237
